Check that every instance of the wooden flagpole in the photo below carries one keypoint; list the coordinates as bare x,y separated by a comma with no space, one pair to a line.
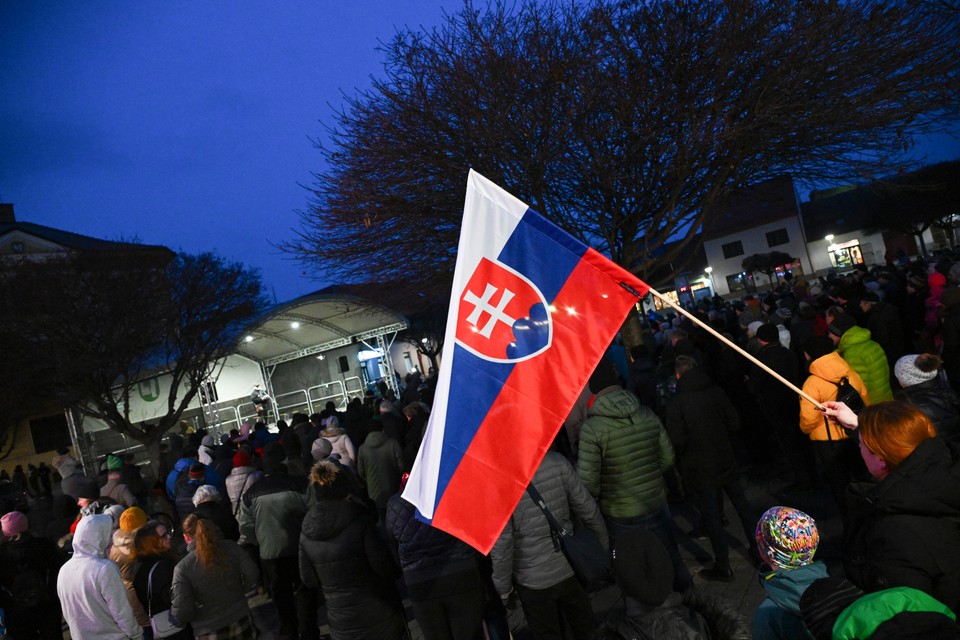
733,346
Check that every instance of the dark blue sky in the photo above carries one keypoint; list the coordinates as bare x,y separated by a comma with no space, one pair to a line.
188,124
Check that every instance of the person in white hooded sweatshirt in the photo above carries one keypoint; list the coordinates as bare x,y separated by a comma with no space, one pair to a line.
91,592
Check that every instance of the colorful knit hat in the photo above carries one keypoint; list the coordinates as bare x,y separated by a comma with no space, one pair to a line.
113,462
787,538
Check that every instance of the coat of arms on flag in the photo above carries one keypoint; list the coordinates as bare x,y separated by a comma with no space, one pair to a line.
532,311
503,316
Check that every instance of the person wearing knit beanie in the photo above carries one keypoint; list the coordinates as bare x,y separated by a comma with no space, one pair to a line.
114,463
320,449
13,523
330,481
768,333
242,459
603,377
197,473
818,346
841,324
787,539
916,369
132,519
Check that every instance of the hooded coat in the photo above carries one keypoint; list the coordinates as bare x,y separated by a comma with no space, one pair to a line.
271,513
122,553
342,552
239,480
380,465
867,358
92,595
624,452
341,444
825,374
700,418
210,598
73,478
904,531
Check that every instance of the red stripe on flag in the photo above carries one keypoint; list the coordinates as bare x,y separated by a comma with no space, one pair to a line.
534,402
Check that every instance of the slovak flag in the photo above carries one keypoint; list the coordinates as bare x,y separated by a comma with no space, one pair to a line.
531,314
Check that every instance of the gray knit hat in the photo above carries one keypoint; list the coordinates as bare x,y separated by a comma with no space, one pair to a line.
909,374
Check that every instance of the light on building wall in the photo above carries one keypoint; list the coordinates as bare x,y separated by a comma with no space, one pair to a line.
828,237
709,270
294,325
248,339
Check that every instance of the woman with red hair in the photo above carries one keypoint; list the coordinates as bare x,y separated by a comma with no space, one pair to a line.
903,530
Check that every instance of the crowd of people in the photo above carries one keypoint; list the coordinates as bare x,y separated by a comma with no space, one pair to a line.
311,513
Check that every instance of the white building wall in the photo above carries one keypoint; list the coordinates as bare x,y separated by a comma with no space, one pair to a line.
754,241
872,248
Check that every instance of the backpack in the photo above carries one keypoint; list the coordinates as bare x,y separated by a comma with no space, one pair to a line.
183,477
184,500
847,394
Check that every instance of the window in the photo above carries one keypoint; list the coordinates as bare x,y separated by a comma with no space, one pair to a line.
846,254
49,433
732,249
778,237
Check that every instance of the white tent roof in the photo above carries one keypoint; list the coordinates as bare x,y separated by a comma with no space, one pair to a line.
316,323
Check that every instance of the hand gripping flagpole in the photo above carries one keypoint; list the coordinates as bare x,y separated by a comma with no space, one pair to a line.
700,323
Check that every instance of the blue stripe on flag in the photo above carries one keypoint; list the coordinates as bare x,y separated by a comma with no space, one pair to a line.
535,249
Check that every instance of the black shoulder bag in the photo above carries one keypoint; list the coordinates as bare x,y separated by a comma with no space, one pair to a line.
590,563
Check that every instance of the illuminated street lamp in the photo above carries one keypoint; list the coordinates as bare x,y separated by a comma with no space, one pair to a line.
713,287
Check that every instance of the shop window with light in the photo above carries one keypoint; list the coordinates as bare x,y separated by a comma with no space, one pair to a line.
741,282
794,268
778,237
845,254
732,249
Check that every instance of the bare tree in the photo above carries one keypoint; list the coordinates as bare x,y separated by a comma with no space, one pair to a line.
87,328
625,123
767,264
426,331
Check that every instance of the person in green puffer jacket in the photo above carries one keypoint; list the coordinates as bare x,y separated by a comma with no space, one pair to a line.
624,451
864,356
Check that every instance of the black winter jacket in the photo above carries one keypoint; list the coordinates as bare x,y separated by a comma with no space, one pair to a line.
939,403
699,419
904,531
341,551
425,552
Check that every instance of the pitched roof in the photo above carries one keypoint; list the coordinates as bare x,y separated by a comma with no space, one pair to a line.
767,201
67,239
932,191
